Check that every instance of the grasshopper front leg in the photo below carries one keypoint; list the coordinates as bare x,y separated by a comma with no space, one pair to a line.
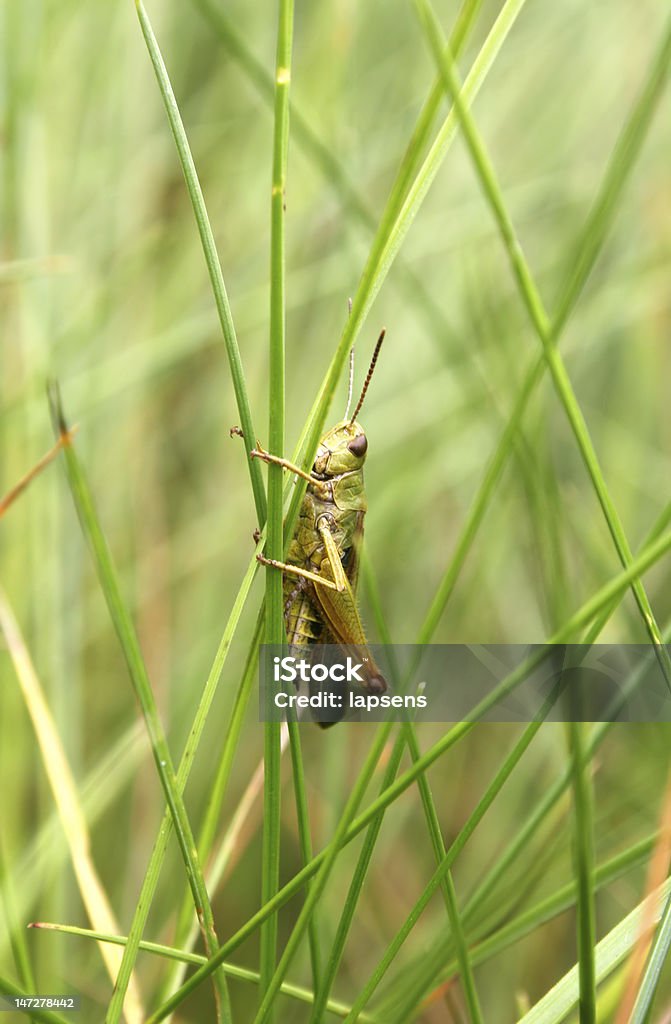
261,453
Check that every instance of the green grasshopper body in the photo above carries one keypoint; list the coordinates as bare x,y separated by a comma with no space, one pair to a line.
322,567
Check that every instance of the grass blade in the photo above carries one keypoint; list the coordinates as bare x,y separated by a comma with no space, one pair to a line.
639,986
447,885
136,668
275,633
303,995
354,891
577,621
324,871
405,738
102,785
64,791
534,306
210,253
432,964
610,952
327,162
160,846
584,871
394,225
659,953
445,965
320,865
451,854
14,928
8,988
586,251
304,837
185,933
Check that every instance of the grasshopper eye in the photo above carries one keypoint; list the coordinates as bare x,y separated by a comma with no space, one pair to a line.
359,445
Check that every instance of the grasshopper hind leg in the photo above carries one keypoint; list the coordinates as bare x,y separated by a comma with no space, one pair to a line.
300,586
296,570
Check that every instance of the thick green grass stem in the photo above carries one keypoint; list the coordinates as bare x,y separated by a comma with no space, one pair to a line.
275,633
583,848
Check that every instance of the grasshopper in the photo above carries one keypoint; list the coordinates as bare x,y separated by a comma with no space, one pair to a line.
322,567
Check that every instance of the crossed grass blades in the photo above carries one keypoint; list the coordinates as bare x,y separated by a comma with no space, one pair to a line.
471,930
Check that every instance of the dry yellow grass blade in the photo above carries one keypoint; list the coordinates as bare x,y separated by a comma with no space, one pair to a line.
64,790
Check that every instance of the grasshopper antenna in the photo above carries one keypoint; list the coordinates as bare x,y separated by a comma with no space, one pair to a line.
364,389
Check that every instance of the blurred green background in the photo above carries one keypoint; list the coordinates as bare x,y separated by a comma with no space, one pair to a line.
103,286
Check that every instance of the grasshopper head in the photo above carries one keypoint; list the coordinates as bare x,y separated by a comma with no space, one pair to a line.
341,450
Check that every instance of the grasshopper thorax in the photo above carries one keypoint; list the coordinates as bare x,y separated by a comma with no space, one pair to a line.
342,449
